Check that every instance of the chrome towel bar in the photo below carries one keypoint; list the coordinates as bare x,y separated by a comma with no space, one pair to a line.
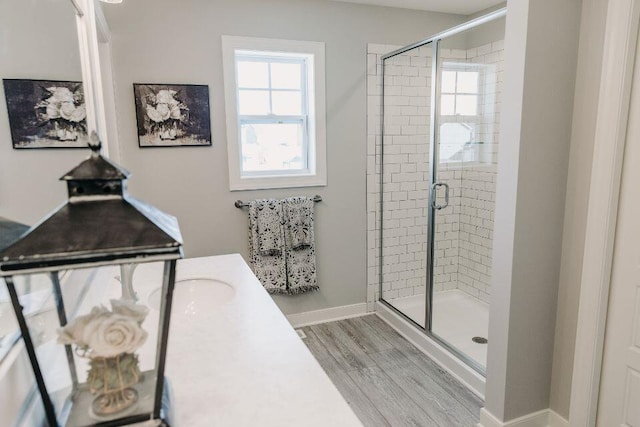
240,204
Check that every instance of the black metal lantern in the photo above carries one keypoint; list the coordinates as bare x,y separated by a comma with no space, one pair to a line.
103,365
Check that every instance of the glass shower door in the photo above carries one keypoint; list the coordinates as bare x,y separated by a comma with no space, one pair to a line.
404,162
436,155
468,92
456,135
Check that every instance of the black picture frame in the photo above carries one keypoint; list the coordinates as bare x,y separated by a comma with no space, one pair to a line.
46,114
172,115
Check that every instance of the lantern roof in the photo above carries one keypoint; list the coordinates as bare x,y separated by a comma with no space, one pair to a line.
99,224
10,231
96,167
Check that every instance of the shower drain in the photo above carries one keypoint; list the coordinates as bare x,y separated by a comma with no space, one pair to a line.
480,340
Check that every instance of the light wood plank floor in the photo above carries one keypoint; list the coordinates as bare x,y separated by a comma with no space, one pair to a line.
386,380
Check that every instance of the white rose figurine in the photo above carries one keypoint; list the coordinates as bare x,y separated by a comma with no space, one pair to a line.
109,336
104,333
73,332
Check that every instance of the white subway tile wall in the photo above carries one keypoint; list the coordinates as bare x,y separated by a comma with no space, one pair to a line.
464,230
479,179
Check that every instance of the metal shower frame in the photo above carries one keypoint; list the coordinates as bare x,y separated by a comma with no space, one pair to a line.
433,156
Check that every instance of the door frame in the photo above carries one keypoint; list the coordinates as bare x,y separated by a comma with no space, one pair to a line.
618,61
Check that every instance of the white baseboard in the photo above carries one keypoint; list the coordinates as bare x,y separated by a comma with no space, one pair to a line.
307,318
443,357
544,418
555,420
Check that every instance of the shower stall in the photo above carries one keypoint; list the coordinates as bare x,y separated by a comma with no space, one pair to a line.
437,165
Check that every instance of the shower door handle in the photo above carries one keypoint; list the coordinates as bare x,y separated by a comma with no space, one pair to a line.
434,191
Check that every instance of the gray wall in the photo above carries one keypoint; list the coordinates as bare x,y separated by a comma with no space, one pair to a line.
165,41
594,13
489,32
38,40
532,180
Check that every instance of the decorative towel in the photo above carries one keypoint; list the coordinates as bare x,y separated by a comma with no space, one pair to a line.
269,267
270,230
301,249
298,212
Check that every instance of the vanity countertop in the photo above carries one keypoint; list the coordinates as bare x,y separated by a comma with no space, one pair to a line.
234,360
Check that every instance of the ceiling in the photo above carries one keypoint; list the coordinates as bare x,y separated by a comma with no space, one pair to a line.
462,7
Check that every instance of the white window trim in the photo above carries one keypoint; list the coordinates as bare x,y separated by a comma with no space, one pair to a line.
317,130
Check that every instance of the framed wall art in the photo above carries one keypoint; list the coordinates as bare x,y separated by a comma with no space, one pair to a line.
46,113
172,115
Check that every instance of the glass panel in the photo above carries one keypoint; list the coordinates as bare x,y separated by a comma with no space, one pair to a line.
35,292
253,74
107,352
466,146
454,138
448,105
253,102
467,82
287,103
8,325
272,147
405,182
286,75
448,81
36,295
466,105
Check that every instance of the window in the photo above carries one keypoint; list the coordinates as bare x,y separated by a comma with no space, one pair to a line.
459,112
275,113
459,93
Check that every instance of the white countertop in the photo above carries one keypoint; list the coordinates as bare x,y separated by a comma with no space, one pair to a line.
240,363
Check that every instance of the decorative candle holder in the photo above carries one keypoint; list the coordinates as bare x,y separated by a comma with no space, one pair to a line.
100,227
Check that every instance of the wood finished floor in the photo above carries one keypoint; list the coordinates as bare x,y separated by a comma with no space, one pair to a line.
386,380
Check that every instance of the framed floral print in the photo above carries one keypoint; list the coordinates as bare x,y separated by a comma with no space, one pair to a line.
172,115
46,113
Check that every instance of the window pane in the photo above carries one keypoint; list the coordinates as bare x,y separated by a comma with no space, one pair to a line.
467,105
285,76
253,102
447,103
286,103
453,137
253,74
468,82
449,81
272,147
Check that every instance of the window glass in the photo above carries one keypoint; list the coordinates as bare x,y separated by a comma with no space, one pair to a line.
272,86
253,102
459,91
459,112
467,82
252,74
276,112
272,147
287,103
455,137
447,105
449,81
467,105
286,76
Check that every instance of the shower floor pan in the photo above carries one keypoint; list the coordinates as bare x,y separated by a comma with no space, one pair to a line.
458,318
